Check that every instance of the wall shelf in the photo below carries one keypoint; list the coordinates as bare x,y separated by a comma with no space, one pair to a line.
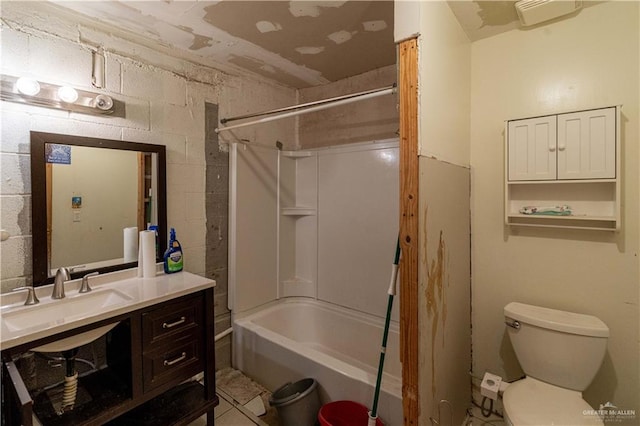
548,165
298,211
557,182
591,224
572,217
299,286
600,223
296,154
298,224
297,281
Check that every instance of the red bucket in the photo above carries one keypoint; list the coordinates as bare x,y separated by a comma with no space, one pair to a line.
344,413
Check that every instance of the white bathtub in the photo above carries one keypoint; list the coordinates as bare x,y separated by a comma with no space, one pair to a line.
298,337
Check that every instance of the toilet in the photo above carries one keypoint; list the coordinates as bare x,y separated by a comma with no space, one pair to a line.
560,353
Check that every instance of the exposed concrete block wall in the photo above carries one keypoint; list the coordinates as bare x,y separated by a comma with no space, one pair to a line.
217,236
165,104
363,121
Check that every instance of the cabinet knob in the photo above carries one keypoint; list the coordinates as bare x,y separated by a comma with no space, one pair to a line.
561,147
552,148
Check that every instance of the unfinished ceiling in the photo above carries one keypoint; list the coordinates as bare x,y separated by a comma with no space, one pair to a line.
482,19
297,43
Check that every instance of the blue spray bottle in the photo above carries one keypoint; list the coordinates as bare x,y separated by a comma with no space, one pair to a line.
173,260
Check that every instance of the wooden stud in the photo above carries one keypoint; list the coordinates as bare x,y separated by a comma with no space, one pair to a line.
408,100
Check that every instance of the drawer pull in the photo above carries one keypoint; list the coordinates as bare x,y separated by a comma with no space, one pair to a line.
182,357
173,324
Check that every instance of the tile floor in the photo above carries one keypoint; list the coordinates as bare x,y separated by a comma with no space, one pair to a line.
236,393
477,419
228,415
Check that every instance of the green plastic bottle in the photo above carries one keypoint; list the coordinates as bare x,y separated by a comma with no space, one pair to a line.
173,260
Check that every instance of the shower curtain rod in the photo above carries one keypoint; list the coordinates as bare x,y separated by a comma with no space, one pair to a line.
308,104
309,107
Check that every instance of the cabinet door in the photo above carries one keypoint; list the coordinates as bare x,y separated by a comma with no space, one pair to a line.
587,144
17,405
532,148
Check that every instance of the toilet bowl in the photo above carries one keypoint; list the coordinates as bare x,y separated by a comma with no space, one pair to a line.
560,353
532,402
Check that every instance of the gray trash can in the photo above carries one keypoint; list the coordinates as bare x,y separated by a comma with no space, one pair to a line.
297,403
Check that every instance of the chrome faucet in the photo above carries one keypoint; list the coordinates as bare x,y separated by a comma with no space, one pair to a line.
32,299
84,288
62,276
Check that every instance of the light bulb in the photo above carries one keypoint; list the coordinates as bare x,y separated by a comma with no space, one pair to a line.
103,102
27,86
68,94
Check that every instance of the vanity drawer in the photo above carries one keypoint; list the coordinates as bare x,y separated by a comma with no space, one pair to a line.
172,321
178,361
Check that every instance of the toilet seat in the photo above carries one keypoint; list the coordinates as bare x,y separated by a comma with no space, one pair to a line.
535,403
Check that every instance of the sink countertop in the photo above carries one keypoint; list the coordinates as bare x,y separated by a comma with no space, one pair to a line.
141,292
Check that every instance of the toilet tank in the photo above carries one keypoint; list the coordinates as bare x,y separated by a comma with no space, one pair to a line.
561,348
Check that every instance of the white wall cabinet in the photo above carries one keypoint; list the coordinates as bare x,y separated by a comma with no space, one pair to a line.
564,159
587,144
532,148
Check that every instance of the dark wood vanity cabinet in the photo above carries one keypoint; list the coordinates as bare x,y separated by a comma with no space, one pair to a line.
171,343
151,355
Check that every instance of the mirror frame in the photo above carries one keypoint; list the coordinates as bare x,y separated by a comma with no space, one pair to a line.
39,197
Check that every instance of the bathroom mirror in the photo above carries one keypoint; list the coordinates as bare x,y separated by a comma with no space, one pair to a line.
88,197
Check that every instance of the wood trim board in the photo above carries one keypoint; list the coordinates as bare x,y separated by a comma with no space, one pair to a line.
408,105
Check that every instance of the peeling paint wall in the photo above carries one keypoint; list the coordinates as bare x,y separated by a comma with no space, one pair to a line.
444,312
363,121
444,273
444,83
586,61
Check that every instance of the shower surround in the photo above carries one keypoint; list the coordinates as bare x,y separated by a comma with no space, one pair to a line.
312,240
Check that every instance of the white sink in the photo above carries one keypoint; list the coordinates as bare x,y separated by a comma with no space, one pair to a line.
53,312
74,341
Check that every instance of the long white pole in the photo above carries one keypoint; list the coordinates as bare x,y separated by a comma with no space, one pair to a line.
301,106
310,109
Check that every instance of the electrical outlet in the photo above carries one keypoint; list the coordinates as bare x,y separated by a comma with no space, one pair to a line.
490,386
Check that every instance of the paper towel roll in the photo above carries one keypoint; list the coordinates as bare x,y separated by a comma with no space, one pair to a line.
130,244
147,251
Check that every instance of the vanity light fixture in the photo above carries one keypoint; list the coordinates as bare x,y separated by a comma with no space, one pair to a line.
27,86
30,91
103,102
68,94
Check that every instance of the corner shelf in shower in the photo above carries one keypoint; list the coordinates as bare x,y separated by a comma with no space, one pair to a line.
296,154
297,281
298,286
298,211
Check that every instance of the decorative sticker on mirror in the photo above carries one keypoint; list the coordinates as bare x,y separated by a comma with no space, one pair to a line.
57,153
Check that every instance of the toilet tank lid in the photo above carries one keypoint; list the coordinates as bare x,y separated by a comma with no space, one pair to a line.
566,322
